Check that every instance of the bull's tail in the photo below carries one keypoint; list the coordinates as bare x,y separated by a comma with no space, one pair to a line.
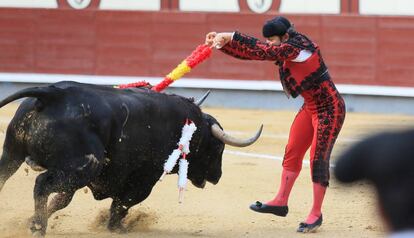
44,94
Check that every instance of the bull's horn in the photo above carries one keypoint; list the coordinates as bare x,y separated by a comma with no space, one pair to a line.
229,140
201,100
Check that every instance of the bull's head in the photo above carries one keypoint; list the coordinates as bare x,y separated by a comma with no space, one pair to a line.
207,166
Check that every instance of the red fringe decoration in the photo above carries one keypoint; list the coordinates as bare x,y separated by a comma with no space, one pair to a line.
201,53
134,85
162,85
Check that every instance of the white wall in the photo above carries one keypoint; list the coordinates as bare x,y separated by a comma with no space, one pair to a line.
311,6
209,5
29,3
386,7
144,5
366,7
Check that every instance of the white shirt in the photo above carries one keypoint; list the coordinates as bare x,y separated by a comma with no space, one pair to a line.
303,56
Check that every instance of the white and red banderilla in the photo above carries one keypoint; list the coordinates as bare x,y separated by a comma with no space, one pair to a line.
183,150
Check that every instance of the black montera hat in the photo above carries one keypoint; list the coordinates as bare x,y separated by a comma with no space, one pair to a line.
277,26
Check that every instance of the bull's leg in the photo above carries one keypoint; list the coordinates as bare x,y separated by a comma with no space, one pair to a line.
59,201
44,185
120,207
9,164
117,212
59,181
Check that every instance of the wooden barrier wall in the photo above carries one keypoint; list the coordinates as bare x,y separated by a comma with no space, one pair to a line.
358,49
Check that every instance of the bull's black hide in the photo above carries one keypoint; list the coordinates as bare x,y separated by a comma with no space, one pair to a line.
113,141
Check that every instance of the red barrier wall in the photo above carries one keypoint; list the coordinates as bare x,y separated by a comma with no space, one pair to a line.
358,49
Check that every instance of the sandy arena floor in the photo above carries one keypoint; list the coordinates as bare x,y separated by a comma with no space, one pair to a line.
220,210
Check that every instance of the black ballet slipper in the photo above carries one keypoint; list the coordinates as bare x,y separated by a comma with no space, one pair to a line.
307,228
276,210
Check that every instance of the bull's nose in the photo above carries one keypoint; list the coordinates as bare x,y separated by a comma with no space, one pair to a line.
199,185
214,179
214,182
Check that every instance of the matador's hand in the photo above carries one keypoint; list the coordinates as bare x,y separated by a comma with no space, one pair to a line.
210,38
221,39
218,40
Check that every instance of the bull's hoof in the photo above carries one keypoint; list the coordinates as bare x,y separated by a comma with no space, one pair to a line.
36,228
120,229
38,234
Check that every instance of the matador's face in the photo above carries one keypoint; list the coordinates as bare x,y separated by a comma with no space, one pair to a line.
273,40
277,40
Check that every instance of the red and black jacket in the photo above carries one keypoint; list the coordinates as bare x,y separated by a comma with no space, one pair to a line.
296,77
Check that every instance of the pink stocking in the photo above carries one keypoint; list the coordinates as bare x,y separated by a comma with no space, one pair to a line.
286,184
318,195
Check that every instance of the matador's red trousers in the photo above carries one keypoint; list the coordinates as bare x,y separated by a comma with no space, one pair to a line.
317,126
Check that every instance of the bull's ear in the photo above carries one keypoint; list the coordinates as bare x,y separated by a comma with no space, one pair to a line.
201,100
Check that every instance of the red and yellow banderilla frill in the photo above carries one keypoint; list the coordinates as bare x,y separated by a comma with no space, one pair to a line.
201,53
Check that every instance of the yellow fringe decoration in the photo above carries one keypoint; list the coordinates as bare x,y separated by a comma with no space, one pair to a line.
179,71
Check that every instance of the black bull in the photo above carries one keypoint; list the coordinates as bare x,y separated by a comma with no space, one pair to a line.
113,141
